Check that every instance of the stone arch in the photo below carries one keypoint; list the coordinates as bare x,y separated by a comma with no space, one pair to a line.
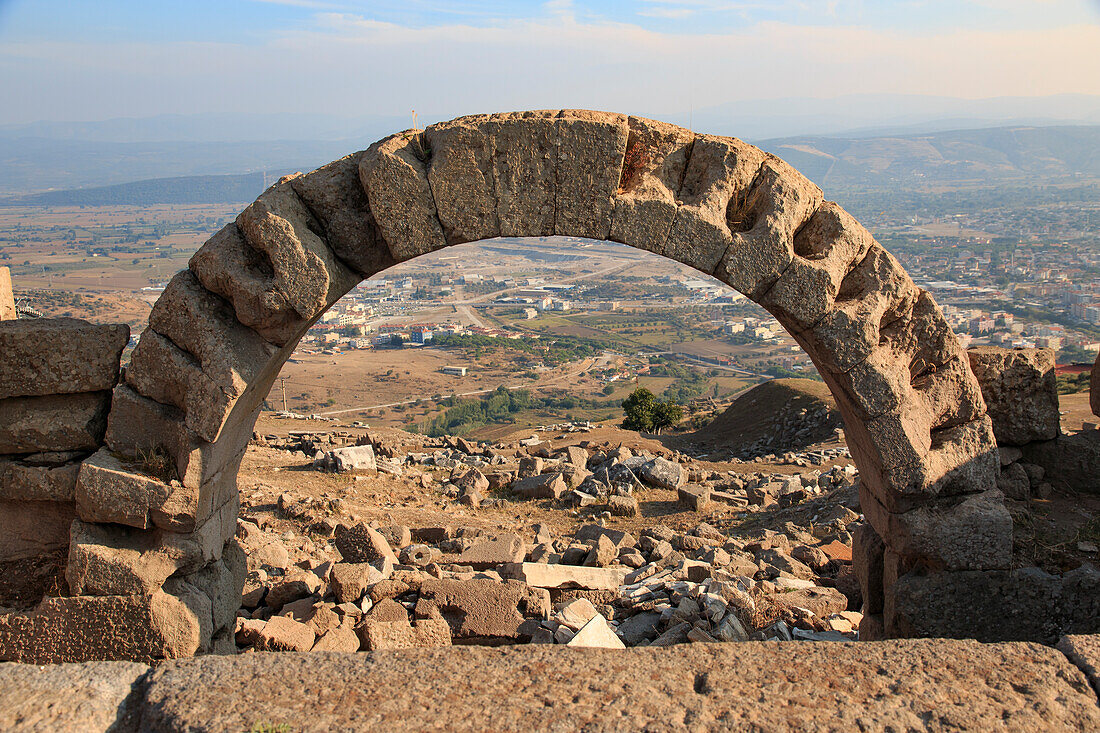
219,334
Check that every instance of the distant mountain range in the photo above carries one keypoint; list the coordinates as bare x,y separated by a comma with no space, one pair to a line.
986,157
50,155
961,158
180,190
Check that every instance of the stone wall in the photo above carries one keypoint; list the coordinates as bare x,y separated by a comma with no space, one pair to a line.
93,567
56,378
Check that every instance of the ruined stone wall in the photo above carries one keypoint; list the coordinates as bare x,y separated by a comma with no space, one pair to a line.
56,377
1008,602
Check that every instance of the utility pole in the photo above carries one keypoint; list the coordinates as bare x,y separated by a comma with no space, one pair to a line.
282,384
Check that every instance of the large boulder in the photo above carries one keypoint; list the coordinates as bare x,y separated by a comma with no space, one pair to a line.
542,486
663,474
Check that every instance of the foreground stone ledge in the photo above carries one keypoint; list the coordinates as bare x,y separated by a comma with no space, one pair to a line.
899,685
73,697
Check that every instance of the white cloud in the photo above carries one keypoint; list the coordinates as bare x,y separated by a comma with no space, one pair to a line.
349,64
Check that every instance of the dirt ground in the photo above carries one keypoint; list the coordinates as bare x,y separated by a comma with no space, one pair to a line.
268,472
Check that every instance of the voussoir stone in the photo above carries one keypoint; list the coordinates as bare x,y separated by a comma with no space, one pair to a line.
763,227
196,355
335,195
591,147
719,170
394,173
654,162
45,356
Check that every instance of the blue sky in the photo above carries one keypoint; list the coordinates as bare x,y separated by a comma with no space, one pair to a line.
81,60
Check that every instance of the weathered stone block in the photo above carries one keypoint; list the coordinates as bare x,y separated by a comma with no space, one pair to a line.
32,529
542,486
40,477
7,297
590,151
763,224
197,356
361,544
66,422
228,266
335,195
111,559
139,425
719,176
974,534
1020,391
826,250
524,170
108,490
694,498
543,575
46,356
394,173
385,635
493,551
460,171
1023,604
663,474
654,162
876,291
97,696
962,459
83,628
482,607
1070,462
867,560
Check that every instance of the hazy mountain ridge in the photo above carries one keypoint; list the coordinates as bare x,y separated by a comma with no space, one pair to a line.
986,156
211,172
180,190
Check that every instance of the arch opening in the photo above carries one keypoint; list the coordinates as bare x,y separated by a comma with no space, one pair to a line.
217,338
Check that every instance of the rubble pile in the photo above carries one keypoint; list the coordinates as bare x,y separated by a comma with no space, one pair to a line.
354,585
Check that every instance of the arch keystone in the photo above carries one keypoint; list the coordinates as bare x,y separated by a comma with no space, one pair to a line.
590,151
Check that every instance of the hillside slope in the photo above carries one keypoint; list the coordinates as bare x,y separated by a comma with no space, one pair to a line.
774,417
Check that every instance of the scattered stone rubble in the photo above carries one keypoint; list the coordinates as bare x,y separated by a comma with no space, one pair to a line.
386,587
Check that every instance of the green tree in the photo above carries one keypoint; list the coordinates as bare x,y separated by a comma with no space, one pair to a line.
638,409
666,414
646,414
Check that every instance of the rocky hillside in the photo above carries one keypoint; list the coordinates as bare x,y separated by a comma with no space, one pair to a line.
776,417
